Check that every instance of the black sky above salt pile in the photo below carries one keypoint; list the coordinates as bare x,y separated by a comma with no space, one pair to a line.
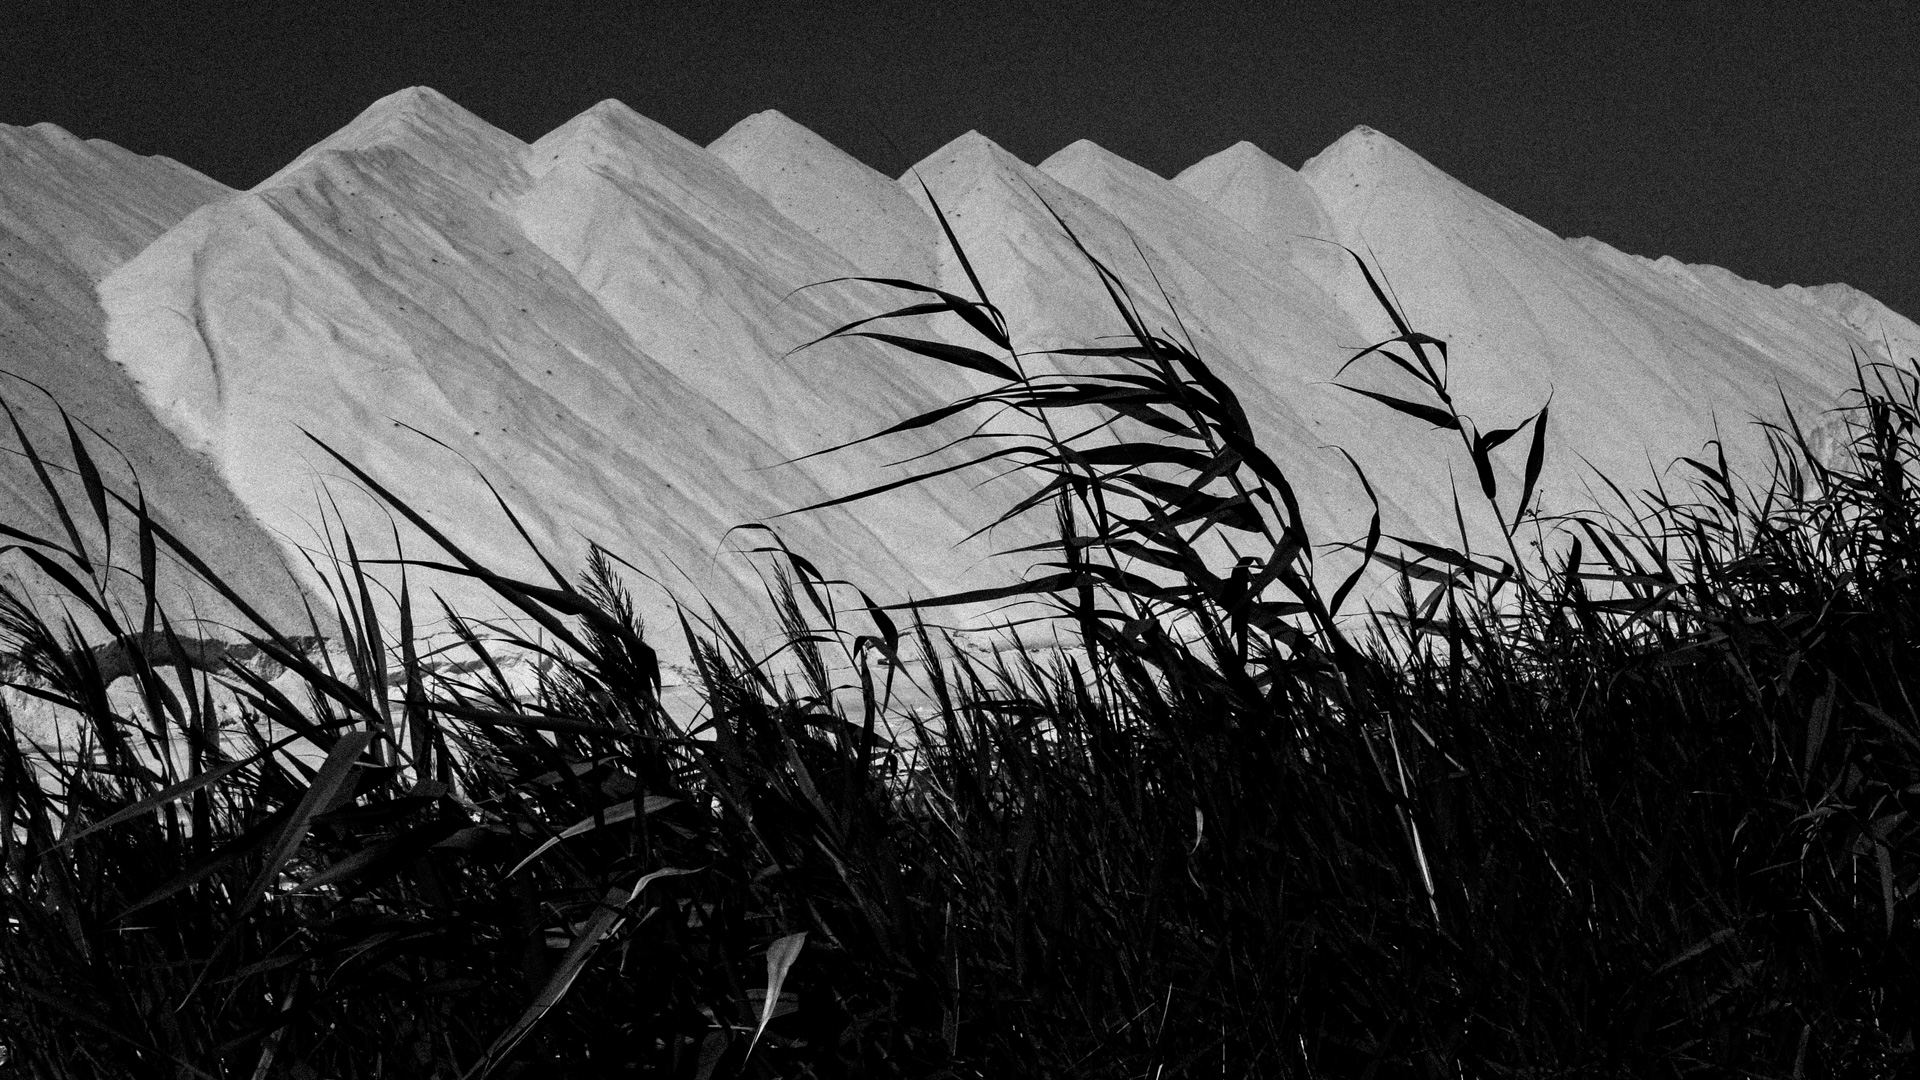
1779,140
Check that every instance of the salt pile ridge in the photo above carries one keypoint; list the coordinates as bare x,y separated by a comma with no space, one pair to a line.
853,209
599,323
1267,324
1643,365
426,275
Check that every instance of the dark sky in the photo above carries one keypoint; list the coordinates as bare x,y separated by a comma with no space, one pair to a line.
1779,140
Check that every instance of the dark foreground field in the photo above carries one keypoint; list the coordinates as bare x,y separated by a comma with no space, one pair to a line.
1635,804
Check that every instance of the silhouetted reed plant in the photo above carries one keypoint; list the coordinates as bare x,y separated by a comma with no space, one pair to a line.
1635,802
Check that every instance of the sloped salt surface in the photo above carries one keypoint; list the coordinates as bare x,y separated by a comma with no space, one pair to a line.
1802,328
1792,320
1861,313
1281,210
843,203
1249,313
599,324
1270,329
1248,186
70,212
379,288
1641,365
1271,201
452,142
367,290
703,272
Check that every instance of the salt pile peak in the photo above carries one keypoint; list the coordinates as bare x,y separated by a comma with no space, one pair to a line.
845,204
87,203
1211,259
1263,195
1276,204
433,129
1639,371
1002,210
702,270
1257,319
601,322
366,294
1247,308
376,289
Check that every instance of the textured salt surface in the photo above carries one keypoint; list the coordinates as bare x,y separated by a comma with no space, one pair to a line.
601,322
846,205
71,211
430,276
1266,323
1642,364
1277,206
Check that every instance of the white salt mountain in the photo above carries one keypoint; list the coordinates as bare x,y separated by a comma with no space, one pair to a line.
71,211
847,205
595,324
1645,361
1640,368
599,324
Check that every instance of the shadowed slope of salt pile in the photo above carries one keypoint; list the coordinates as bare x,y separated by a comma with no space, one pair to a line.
71,211
851,208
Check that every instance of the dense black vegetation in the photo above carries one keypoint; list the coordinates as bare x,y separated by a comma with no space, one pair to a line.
1635,803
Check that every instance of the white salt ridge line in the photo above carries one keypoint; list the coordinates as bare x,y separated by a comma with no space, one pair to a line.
1639,369
1272,332
700,269
1868,317
845,204
390,271
1277,206
367,287
1259,193
447,139
1231,292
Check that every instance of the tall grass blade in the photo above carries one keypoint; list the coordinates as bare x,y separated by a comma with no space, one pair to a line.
780,957
612,815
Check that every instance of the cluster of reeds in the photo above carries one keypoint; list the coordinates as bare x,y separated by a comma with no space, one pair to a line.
1635,805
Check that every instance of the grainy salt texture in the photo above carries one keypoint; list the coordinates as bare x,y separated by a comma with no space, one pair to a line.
846,205
428,272
1266,324
600,324
1644,363
71,211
